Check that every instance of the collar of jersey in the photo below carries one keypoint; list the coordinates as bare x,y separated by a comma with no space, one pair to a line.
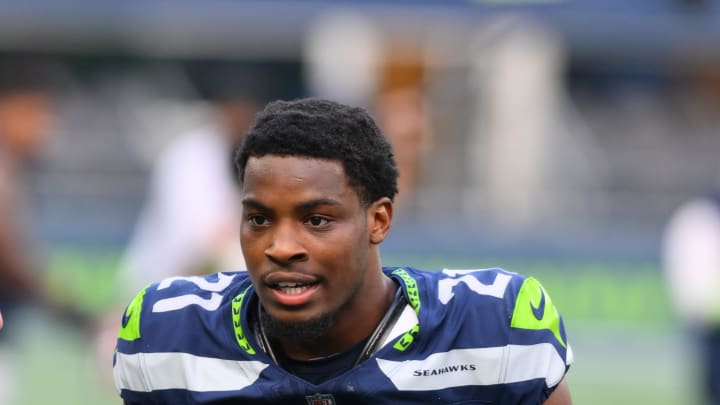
406,324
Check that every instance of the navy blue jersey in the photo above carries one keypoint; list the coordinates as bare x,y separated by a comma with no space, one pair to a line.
466,336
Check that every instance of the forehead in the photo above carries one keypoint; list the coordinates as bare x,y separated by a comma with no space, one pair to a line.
295,176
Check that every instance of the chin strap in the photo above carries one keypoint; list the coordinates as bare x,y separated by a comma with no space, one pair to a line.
261,336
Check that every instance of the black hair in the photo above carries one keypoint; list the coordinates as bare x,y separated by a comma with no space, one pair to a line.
324,129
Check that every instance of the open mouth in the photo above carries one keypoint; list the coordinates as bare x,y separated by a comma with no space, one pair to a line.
292,288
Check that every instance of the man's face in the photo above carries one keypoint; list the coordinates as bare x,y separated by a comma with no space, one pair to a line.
305,238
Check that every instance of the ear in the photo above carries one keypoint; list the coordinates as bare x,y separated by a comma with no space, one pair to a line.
379,220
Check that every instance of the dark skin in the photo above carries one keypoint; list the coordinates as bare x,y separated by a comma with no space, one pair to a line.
304,224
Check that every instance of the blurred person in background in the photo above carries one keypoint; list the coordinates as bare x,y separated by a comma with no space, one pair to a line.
26,117
691,259
188,225
403,113
25,120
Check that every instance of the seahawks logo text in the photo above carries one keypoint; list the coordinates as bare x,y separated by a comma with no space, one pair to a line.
444,370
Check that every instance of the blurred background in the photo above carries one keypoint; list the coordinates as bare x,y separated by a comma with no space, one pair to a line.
552,138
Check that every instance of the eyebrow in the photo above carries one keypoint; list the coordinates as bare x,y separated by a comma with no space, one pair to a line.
318,202
250,202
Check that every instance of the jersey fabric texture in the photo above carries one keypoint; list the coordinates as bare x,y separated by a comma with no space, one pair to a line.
466,336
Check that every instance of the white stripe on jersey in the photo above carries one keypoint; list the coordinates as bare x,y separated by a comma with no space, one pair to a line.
534,361
146,372
481,366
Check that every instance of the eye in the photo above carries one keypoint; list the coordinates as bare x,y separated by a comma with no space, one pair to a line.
317,221
258,220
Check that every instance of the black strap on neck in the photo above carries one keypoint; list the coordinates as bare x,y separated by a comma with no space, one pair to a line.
260,335
384,327
374,340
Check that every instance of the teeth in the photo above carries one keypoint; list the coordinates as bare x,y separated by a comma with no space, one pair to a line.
284,284
293,290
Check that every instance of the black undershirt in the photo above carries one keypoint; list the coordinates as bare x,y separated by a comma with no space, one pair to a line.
317,371
320,370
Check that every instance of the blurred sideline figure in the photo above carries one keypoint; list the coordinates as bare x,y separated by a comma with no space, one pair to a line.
691,258
517,70
189,223
403,113
26,117
347,60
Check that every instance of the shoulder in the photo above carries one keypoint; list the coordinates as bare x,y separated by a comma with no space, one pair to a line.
446,286
519,307
501,322
180,327
174,301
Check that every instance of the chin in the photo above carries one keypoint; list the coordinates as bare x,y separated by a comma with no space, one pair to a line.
306,329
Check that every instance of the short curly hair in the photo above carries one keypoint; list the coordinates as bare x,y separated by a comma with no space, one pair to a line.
329,130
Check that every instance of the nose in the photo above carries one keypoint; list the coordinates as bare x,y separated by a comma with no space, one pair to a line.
285,246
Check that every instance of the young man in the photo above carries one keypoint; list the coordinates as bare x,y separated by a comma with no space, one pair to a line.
316,319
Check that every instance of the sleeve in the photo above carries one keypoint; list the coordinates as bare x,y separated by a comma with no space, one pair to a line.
538,349
127,364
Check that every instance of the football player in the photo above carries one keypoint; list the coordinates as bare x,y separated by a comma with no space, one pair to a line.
317,319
